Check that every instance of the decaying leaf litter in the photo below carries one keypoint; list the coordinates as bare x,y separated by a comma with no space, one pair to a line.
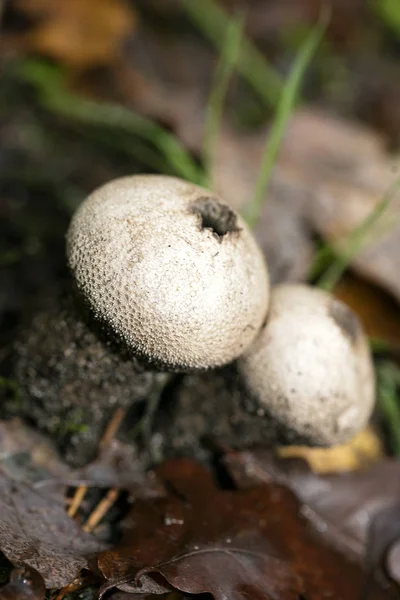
121,95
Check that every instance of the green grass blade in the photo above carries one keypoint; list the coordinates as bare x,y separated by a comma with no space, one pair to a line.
322,259
389,12
356,240
225,67
389,401
55,97
283,112
213,22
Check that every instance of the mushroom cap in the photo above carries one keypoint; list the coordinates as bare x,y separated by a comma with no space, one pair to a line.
170,269
310,368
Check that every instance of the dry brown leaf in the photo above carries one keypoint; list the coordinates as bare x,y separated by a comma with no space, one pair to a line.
78,34
364,449
329,176
35,529
337,208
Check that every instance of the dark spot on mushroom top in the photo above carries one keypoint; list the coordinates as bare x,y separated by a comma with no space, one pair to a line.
217,217
346,320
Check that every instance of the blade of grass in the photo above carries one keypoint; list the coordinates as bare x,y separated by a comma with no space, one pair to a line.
54,96
213,22
225,67
389,401
356,241
389,12
323,258
283,112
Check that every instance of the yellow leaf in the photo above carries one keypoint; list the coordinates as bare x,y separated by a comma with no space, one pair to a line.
364,449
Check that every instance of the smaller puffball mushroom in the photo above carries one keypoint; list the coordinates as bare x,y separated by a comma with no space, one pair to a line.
170,269
310,368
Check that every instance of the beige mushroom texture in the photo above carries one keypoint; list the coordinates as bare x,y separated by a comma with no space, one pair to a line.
311,368
171,269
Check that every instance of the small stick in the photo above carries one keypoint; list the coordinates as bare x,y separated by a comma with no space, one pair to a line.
101,509
77,500
112,428
74,586
105,441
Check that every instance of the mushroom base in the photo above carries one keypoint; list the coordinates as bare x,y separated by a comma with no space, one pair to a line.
71,382
208,411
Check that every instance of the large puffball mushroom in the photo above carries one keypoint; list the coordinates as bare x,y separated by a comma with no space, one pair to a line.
310,368
171,269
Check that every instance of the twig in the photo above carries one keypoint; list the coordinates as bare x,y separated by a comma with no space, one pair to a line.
77,499
101,509
112,428
105,441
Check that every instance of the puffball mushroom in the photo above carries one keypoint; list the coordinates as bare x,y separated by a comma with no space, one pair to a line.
310,368
170,269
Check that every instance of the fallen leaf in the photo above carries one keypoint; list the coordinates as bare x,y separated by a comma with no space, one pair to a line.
358,512
27,454
363,449
78,34
377,310
37,531
231,544
25,584
338,207
196,549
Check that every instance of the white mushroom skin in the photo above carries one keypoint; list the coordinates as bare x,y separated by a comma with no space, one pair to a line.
310,368
170,269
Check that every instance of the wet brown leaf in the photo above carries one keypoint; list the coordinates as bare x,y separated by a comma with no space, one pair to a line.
78,34
37,531
25,584
358,512
232,544
195,539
